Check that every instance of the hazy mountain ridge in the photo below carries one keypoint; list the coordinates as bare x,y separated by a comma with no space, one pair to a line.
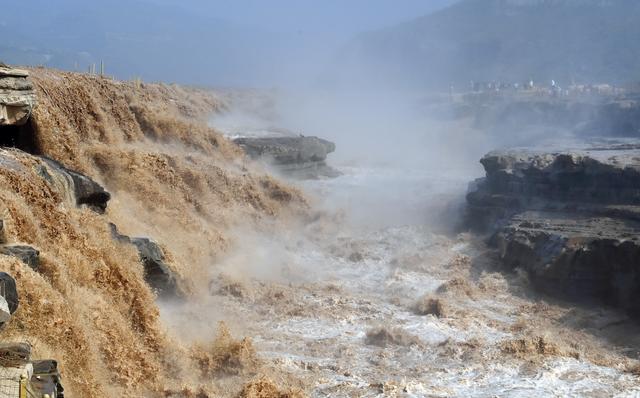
511,40
196,42
133,38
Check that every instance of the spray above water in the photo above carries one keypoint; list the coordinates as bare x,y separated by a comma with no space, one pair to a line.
359,281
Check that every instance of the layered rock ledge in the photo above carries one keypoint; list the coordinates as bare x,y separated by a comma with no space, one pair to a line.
300,156
569,217
17,97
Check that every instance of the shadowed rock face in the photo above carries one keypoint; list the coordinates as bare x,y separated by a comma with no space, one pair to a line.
302,156
9,291
156,272
570,218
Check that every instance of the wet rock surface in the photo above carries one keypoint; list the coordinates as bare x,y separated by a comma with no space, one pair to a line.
300,156
9,292
17,97
26,254
85,190
156,271
570,218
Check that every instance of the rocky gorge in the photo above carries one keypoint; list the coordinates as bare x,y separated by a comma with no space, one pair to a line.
139,241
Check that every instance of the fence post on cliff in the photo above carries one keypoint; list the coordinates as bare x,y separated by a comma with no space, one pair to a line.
23,386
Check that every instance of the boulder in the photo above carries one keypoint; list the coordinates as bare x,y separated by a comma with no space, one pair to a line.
287,150
26,254
156,272
17,97
569,217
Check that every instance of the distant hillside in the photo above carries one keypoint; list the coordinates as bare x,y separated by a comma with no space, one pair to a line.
508,40
193,42
134,38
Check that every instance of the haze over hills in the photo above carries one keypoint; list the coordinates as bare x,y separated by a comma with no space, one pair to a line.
134,39
224,43
589,41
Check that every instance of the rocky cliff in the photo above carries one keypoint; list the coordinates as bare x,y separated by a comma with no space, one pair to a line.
570,218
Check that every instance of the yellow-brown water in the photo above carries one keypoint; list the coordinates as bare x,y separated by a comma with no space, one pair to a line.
172,178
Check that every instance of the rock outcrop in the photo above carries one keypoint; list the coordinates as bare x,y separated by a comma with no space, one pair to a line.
8,297
26,254
17,97
303,157
84,190
570,218
156,271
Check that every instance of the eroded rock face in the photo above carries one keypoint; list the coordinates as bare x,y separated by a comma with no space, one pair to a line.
570,218
602,178
17,97
43,376
302,156
156,272
576,256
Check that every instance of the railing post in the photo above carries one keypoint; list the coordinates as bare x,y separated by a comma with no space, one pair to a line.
23,386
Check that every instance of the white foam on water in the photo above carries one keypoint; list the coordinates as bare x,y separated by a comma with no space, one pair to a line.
323,340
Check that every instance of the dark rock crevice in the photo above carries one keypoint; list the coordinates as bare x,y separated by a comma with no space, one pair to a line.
17,100
21,136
